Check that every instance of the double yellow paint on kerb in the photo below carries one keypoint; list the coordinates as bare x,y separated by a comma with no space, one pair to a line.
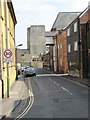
29,104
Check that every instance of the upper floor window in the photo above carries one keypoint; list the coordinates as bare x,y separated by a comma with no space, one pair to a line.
68,32
69,48
75,27
75,46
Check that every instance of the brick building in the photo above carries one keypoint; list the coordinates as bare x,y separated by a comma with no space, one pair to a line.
49,44
62,52
61,22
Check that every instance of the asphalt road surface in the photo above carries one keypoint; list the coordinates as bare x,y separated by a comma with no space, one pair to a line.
57,97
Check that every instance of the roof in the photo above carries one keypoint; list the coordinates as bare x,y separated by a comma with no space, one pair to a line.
50,33
80,15
36,26
63,19
10,6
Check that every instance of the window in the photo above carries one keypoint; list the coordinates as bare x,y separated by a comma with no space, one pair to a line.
75,27
60,45
69,48
75,46
68,32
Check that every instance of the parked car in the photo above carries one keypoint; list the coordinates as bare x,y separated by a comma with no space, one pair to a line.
30,71
22,69
25,68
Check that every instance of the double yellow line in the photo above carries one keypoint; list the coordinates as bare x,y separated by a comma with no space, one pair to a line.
30,103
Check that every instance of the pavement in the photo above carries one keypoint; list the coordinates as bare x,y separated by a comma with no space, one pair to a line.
20,92
82,81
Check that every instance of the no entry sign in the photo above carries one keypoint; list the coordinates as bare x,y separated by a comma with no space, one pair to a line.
7,55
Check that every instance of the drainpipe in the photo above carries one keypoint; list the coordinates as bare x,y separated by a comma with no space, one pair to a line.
2,88
8,79
57,51
79,44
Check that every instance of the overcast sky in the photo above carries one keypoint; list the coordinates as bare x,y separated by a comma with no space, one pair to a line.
41,12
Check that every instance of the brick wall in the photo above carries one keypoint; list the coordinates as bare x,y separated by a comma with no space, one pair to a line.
62,52
85,17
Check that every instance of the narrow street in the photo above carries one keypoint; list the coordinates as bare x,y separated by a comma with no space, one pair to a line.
57,97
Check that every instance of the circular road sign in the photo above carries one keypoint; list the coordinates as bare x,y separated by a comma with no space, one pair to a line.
8,53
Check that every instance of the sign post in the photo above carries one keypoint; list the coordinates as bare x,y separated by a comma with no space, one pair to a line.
7,59
8,55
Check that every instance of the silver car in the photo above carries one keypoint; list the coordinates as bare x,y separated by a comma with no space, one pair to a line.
30,71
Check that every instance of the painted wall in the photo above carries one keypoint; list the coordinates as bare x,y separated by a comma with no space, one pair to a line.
7,39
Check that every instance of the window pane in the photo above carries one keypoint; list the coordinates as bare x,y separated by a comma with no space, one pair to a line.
75,27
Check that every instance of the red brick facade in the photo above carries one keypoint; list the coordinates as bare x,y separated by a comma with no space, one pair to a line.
85,17
61,45
62,52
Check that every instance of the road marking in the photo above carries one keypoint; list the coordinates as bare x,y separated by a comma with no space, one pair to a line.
30,103
50,79
66,90
52,74
53,81
76,82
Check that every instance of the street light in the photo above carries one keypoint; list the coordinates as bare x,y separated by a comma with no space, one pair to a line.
19,45
16,60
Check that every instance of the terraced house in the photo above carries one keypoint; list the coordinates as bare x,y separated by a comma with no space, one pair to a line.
7,41
78,45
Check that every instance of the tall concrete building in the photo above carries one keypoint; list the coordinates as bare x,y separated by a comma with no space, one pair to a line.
36,43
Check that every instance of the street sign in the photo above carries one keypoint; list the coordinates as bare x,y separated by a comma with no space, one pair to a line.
8,55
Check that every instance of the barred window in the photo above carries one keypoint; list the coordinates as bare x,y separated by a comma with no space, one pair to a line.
69,48
75,46
75,27
68,32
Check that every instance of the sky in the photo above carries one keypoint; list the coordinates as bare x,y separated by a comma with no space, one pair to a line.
41,12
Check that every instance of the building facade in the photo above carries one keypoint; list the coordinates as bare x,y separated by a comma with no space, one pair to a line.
73,48
62,20
46,61
78,41
7,41
23,57
49,36
62,52
36,40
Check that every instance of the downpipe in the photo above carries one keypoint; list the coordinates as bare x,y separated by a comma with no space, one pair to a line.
2,88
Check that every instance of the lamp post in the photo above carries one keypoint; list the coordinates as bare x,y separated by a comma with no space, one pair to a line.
16,60
19,45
